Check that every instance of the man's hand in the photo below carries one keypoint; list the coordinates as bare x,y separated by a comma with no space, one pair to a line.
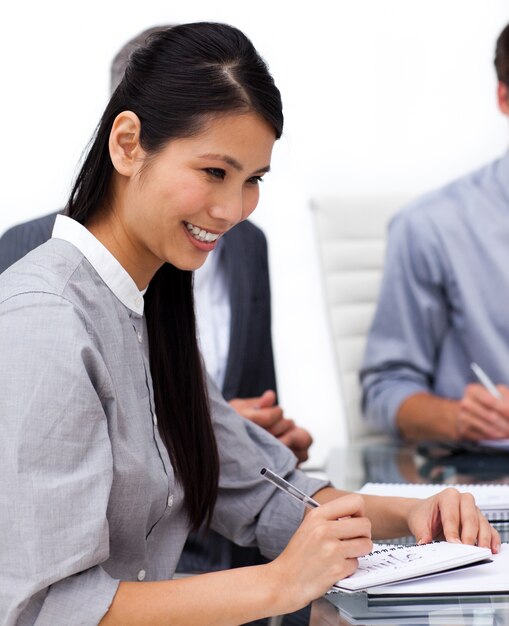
298,440
481,415
264,411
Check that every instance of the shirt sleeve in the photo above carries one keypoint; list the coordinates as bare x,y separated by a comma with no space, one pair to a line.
250,510
410,321
56,466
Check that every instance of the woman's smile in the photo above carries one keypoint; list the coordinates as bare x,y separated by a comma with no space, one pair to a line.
203,239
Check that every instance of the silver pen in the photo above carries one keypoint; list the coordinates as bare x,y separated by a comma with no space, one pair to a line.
485,380
288,488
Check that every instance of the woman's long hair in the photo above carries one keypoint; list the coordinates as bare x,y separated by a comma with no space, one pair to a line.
175,83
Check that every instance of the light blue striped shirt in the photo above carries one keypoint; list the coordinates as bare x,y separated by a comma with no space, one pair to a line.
444,294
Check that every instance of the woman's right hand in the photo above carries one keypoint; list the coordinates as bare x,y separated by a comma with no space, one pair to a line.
323,550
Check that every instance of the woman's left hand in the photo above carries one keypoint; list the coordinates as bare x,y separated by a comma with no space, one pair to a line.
452,516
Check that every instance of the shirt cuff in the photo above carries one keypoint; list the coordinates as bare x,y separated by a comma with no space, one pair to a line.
381,411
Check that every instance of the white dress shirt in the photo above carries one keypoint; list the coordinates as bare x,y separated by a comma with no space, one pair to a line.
213,313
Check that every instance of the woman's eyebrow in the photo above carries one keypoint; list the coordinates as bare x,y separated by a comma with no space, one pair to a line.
223,157
230,161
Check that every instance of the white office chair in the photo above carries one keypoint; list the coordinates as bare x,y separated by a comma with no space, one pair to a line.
351,232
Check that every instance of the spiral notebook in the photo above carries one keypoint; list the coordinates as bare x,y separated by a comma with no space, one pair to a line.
487,577
390,563
492,499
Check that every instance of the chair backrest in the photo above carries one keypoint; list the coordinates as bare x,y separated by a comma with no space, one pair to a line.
351,233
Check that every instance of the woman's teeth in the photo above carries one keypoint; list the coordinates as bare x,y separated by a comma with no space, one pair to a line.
200,233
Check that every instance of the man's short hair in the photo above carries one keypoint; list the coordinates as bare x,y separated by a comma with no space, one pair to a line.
121,59
502,56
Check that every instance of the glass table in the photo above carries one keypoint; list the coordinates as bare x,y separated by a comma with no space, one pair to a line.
390,461
383,460
359,609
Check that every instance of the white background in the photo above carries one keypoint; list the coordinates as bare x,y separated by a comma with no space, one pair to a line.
393,96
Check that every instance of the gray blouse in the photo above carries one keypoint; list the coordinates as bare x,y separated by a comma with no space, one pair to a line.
88,496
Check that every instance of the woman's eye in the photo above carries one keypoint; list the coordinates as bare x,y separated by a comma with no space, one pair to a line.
216,172
254,180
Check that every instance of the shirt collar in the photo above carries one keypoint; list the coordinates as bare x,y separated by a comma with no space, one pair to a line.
101,259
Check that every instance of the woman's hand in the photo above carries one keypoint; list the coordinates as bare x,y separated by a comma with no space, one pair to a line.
323,550
452,516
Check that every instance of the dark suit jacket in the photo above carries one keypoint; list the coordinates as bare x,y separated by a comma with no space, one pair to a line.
20,239
250,366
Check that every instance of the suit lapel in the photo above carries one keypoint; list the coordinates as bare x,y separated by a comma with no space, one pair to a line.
238,280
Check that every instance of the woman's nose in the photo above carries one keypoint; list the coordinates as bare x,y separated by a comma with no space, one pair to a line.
228,208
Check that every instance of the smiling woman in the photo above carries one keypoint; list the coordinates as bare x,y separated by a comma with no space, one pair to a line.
191,91
113,443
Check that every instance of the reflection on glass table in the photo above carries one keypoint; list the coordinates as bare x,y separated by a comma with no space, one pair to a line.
382,460
390,461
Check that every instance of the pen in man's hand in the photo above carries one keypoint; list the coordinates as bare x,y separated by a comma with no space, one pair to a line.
485,380
288,488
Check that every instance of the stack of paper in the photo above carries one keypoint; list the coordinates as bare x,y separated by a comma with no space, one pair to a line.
462,596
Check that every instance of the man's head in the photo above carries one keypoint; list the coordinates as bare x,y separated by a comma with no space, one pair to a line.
120,60
502,69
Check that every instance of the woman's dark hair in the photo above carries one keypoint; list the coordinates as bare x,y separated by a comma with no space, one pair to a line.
502,56
175,83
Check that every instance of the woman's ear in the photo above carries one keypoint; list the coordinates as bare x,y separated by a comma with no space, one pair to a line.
503,97
125,150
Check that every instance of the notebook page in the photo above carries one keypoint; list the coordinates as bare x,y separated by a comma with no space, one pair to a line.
490,577
389,563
